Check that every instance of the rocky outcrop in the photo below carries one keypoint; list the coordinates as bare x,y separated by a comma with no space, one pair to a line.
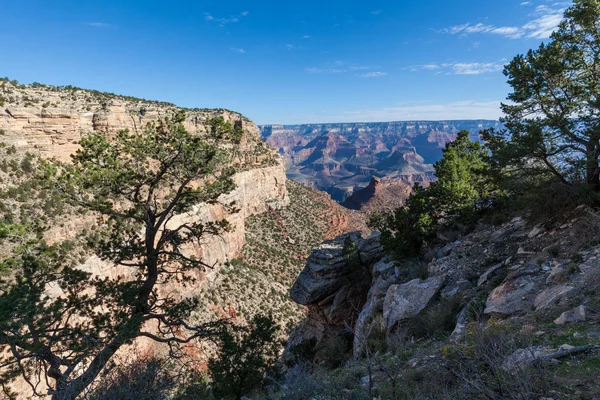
502,274
335,281
50,121
379,195
409,299
578,314
334,285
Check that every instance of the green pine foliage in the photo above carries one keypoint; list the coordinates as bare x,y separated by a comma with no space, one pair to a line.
247,358
136,183
552,121
462,191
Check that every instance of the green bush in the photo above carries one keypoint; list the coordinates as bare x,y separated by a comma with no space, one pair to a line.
464,188
247,357
333,351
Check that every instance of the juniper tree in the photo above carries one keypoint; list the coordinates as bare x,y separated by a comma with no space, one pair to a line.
461,190
553,118
136,184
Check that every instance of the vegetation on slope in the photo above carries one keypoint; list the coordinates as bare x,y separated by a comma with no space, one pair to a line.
277,244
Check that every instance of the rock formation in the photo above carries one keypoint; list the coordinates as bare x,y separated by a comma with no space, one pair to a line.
380,195
342,158
334,286
50,121
507,272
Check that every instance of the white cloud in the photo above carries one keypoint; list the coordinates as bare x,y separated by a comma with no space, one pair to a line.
238,50
314,70
306,37
290,46
476,68
337,67
545,21
98,24
525,3
375,12
542,27
376,74
459,68
224,21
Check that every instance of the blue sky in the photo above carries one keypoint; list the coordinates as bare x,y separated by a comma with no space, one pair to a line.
279,61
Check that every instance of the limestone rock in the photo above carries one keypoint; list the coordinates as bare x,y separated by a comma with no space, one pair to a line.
488,274
460,329
523,357
511,297
578,314
551,295
382,266
409,299
458,288
326,270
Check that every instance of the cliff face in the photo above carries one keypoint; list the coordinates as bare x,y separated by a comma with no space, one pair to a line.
379,195
342,158
50,121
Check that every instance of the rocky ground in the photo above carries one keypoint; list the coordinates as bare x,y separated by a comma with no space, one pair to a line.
519,301
277,244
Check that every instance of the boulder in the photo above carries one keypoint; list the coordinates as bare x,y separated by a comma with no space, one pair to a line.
488,274
523,357
458,288
462,320
327,270
577,314
512,297
382,267
551,295
409,299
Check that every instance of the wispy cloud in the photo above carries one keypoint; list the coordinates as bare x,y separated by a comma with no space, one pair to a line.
290,46
419,111
460,68
306,37
376,12
329,70
376,74
525,3
224,21
338,67
238,50
545,21
98,24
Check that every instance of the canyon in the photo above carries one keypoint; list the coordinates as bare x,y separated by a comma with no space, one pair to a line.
342,158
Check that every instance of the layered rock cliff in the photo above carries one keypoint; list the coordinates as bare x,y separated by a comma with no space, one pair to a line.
342,158
49,121
379,195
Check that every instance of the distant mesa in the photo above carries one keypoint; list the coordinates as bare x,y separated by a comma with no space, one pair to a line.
341,159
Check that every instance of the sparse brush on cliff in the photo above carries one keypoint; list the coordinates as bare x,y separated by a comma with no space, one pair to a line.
136,183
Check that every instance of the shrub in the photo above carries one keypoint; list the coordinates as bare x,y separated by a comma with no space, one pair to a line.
333,351
247,356
463,189
143,379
